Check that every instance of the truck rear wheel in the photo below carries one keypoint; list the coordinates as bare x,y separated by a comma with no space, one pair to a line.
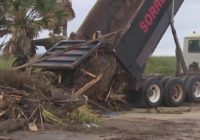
153,92
193,89
185,78
174,92
164,80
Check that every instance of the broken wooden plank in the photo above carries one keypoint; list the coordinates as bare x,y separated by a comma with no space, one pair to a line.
118,98
88,73
87,86
106,99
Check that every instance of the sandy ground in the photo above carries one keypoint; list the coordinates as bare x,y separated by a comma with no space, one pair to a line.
139,124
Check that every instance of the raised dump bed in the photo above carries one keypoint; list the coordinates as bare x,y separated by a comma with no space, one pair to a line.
108,16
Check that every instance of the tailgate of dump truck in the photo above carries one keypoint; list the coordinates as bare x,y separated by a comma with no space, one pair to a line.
67,54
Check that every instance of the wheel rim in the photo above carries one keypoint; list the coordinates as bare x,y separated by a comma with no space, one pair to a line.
154,93
196,89
177,93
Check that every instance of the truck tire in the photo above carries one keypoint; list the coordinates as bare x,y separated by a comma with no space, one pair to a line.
193,89
185,78
174,92
152,91
164,80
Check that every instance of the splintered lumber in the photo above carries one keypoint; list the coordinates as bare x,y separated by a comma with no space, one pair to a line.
88,73
118,98
87,86
11,125
108,16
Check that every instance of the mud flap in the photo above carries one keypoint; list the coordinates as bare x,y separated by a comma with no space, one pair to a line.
137,99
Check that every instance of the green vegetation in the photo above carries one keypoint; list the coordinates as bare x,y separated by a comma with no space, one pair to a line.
162,65
24,19
5,64
85,114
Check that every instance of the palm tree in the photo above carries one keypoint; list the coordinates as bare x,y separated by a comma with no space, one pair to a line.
24,19
67,7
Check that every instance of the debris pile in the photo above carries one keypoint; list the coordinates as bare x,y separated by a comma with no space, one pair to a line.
38,97
111,88
34,100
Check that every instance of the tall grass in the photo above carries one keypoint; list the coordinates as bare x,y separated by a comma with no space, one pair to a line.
162,64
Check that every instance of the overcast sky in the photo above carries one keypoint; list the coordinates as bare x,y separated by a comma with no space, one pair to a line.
186,21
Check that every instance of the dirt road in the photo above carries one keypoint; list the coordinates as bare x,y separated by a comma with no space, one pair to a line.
139,124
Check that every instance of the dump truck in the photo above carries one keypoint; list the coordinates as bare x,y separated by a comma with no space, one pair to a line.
191,49
139,26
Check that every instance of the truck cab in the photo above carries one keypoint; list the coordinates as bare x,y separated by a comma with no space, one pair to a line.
191,49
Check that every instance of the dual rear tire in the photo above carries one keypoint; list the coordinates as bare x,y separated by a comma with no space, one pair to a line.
193,89
174,92
152,91
169,91
177,90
